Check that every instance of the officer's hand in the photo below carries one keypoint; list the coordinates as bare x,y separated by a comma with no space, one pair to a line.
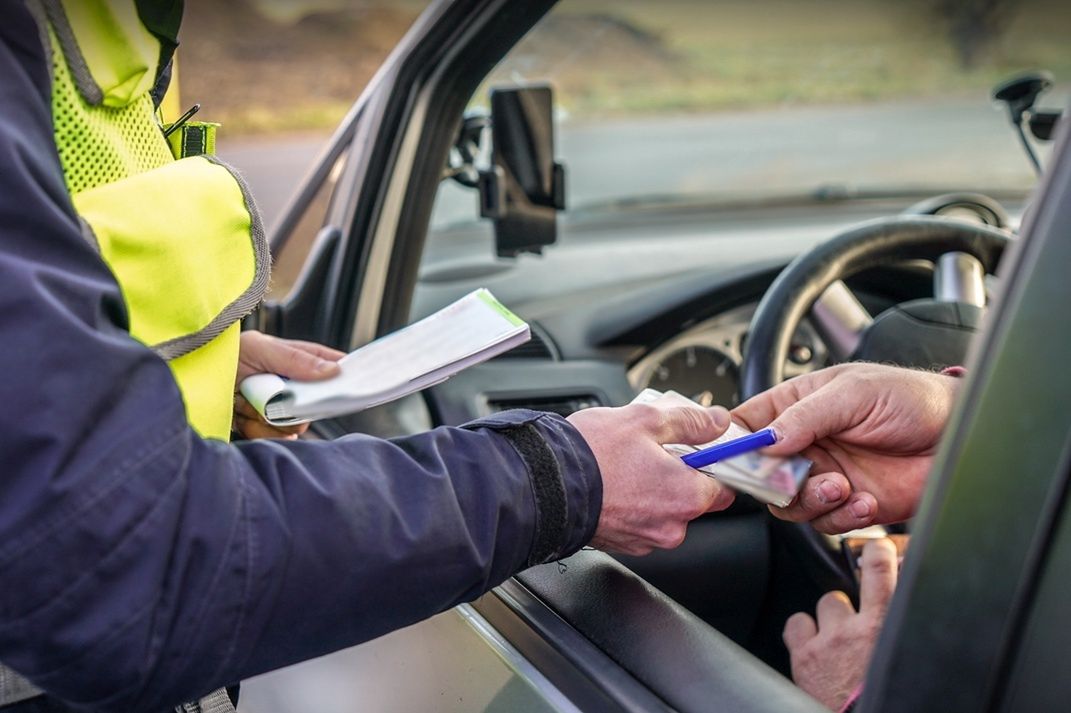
649,495
829,657
871,431
261,353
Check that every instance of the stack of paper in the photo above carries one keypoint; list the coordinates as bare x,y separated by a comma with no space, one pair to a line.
471,330
771,480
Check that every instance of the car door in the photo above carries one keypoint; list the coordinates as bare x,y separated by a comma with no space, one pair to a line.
979,621
588,633
356,285
384,162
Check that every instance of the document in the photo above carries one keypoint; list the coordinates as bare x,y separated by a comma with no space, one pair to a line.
469,331
771,480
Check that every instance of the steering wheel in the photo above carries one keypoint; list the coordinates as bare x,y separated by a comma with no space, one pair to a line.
927,333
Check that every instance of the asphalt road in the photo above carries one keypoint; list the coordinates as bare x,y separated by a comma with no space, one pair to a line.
952,143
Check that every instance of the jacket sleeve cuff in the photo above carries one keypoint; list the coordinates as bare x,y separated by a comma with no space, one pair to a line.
565,479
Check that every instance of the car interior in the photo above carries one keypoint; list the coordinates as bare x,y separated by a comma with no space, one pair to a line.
456,170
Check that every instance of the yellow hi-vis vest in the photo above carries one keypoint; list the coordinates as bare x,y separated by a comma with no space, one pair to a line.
182,236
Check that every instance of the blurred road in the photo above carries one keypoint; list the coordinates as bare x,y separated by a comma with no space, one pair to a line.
273,166
954,143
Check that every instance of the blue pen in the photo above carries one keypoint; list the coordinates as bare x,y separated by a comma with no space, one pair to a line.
735,447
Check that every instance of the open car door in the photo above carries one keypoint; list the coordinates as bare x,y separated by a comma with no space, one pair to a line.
969,629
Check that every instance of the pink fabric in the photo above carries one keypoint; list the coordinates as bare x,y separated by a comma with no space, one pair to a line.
852,698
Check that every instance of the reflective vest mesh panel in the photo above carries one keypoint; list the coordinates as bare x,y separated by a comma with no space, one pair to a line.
99,144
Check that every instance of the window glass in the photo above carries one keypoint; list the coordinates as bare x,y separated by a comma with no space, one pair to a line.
739,101
279,75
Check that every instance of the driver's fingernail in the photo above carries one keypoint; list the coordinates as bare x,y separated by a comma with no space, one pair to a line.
860,508
829,492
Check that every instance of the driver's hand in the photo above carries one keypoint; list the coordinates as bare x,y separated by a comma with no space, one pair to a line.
871,431
648,494
830,656
260,353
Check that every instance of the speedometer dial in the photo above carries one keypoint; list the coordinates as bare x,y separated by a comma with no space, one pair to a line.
703,374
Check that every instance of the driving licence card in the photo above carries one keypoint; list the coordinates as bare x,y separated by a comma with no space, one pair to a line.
771,480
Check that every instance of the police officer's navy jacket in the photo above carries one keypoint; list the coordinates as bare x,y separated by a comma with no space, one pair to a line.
141,565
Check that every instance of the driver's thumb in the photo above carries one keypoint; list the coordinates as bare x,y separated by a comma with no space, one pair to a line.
816,416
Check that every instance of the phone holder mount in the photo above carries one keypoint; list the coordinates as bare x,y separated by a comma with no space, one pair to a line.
1019,94
521,186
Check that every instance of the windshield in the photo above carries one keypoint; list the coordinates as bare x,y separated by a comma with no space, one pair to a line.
731,102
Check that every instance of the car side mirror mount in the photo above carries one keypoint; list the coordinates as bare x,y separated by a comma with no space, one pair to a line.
524,187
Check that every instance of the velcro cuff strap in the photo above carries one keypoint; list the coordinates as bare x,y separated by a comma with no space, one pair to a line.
551,532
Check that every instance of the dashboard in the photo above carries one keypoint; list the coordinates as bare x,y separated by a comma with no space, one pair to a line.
703,363
652,299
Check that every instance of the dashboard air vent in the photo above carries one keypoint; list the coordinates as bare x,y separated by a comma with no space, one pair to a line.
538,347
561,405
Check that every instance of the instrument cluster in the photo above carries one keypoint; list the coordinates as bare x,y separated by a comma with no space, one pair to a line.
703,362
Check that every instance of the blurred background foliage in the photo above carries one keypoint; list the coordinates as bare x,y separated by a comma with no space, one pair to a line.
281,65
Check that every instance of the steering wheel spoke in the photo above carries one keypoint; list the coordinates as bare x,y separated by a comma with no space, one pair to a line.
840,320
959,277
801,288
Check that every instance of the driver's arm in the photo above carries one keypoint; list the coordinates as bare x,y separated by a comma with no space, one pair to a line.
871,430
